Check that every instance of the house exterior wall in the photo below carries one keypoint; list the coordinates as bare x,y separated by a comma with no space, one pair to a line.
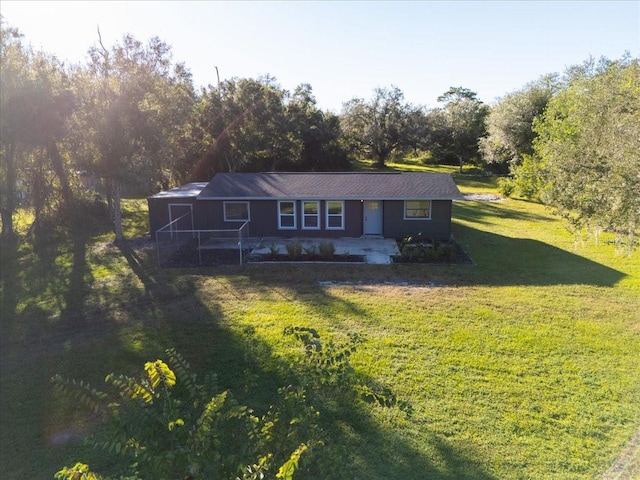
263,216
155,217
209,215
213,213
437,227
159,212
353,221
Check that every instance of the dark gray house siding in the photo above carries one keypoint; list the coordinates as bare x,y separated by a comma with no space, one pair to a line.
262,214
159,214
263,222
378,197
437,227
177,200
353,219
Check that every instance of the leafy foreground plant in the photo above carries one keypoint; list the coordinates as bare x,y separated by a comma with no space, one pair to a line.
166,425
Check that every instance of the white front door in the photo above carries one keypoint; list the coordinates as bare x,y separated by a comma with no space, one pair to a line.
372,217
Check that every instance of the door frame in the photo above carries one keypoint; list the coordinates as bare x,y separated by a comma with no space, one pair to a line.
372,218
174,227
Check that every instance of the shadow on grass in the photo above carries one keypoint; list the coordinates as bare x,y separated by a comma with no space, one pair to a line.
247,366
57,319
478,182
8,282
490,213
88,328
504,260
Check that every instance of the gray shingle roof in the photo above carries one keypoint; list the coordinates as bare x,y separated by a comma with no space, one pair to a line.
339,186
184,191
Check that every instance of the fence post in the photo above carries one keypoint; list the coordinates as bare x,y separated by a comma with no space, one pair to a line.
174,241
158,248
241,231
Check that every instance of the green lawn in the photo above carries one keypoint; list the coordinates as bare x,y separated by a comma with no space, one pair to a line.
524,365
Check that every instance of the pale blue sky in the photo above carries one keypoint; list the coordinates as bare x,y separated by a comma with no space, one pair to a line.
346,49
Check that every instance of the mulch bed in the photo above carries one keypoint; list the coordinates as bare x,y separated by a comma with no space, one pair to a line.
461,258
187,256
280,257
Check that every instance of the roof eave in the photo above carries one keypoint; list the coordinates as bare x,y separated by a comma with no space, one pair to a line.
324,197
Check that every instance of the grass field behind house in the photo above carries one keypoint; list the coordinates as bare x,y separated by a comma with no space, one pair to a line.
524,365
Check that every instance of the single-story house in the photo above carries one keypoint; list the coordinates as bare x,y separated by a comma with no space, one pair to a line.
341,204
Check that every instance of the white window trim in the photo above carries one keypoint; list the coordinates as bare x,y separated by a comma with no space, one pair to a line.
224,212
428,217
295,215
305,215
327,216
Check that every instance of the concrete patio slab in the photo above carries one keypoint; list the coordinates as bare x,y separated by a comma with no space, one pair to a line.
376,250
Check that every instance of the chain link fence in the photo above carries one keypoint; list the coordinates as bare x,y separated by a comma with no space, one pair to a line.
193,248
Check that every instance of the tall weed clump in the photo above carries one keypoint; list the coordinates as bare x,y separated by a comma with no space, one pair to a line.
294,249
327,249
419,249
166,423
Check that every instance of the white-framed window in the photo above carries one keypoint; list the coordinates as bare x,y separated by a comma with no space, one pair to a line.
417,209
335,215
310,215
236,211
287,215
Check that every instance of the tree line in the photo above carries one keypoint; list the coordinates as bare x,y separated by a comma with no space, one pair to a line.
131,118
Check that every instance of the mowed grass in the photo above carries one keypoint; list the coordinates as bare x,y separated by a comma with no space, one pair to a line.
524,365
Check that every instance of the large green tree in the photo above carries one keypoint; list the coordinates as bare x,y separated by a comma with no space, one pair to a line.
588,149
316,135
509,124
379,126
133,105
457,127
255,125
243,127
36,103
14,63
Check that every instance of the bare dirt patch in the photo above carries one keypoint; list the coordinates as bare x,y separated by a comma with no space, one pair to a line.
484,197
382,286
